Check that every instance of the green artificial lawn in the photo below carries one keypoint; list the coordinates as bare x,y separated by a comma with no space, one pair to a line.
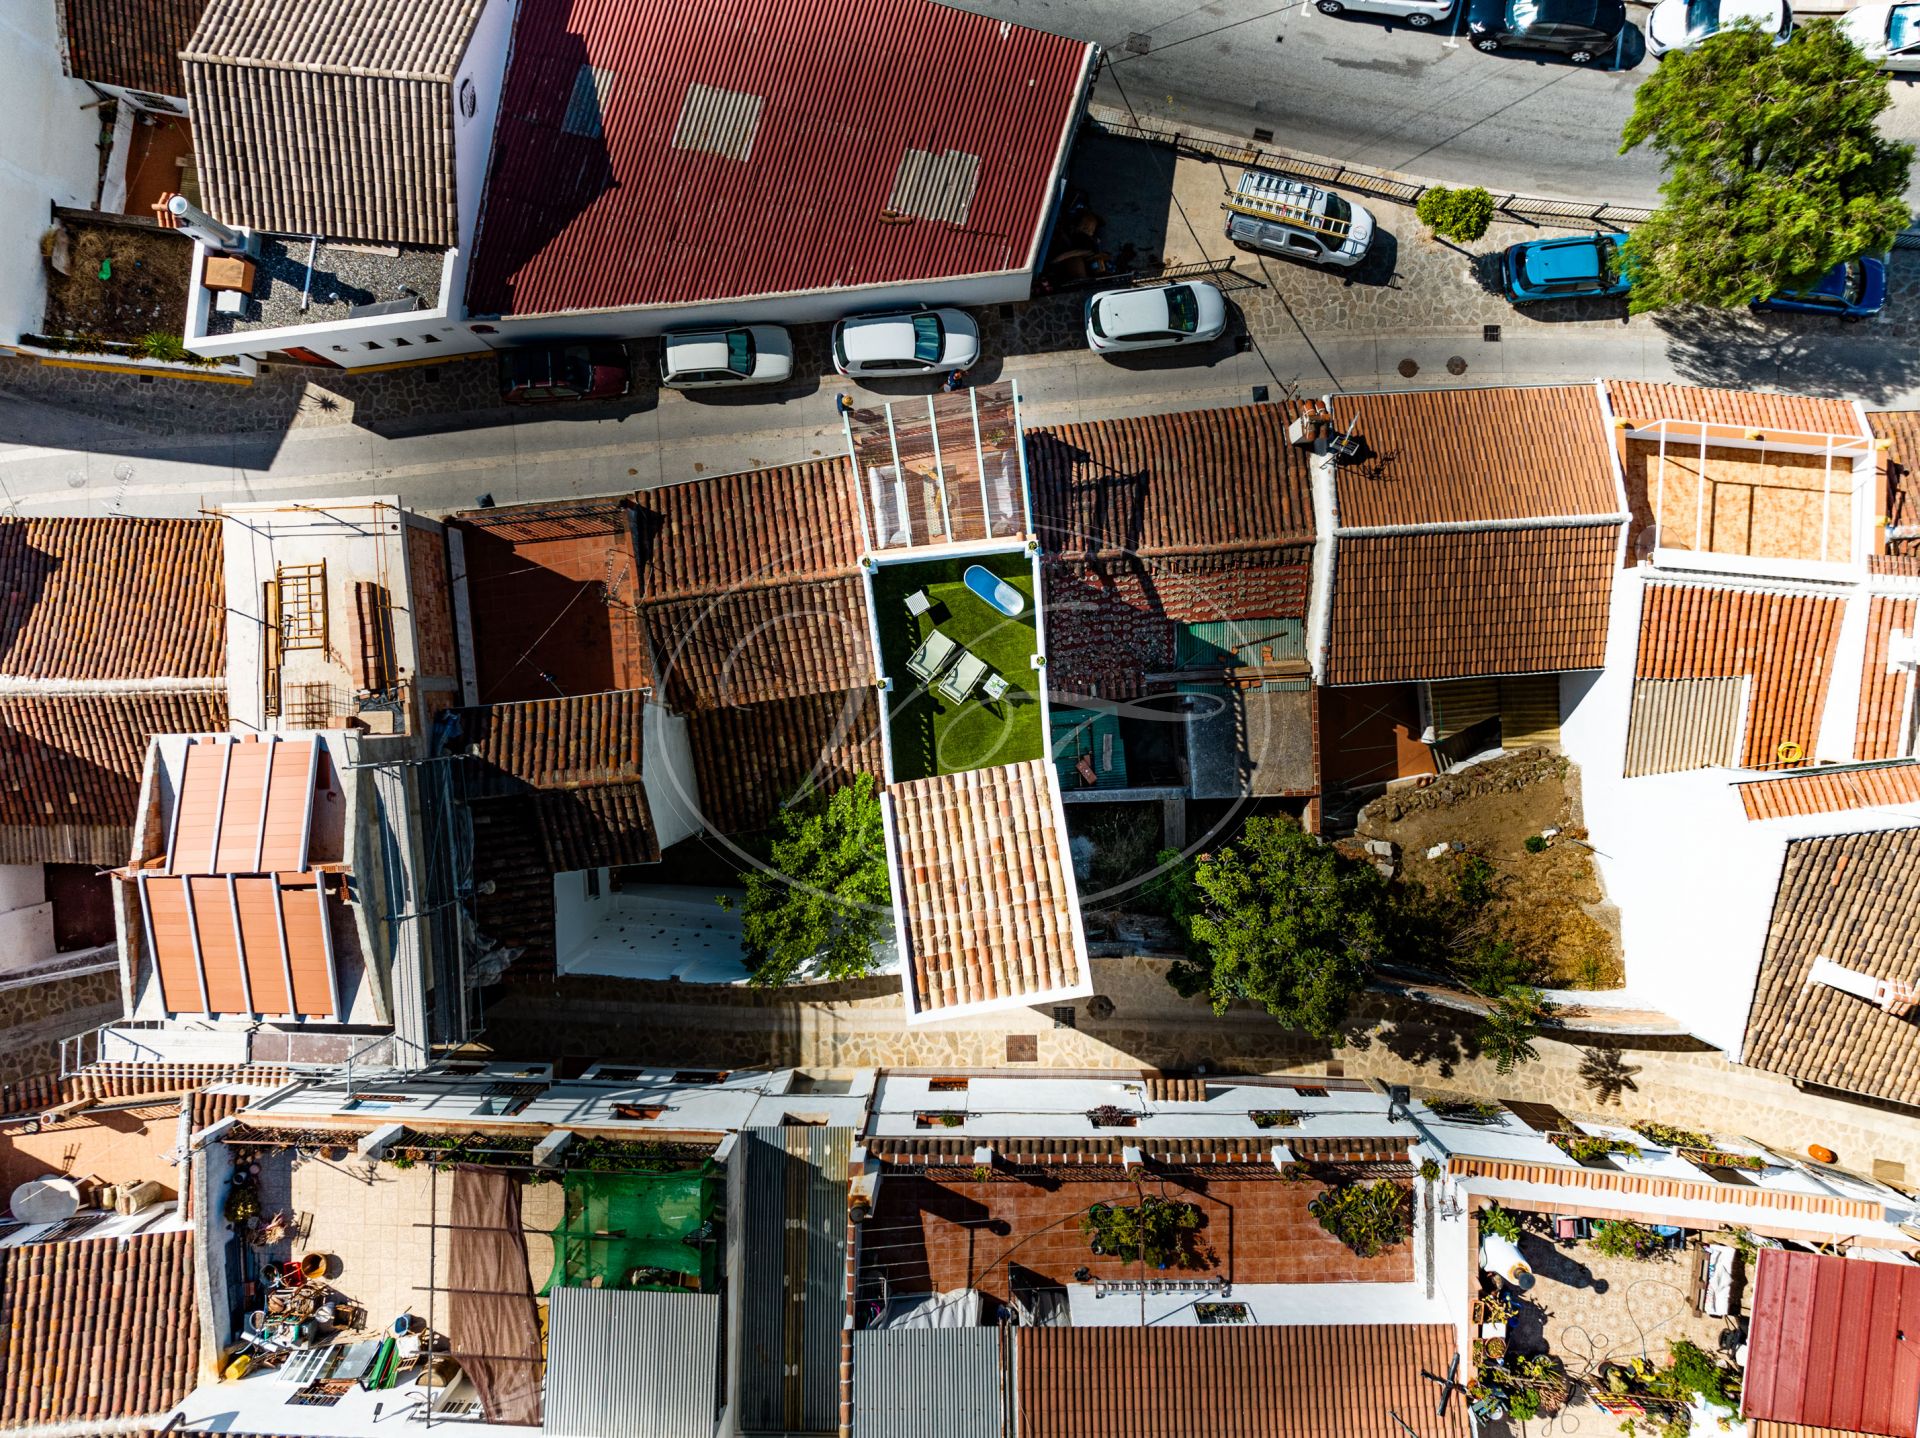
930,735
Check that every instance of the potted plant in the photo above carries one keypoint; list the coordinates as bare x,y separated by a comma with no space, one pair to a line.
1157,1231
1274,1118
1368,1218
1112,1116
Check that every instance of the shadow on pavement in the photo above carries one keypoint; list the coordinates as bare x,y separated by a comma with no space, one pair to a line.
1809,353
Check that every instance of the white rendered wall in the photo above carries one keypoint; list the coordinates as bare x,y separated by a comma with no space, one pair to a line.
26,918
673,794
48,159
485,64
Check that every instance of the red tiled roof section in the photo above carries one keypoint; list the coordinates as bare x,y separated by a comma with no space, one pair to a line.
1832,791
1901,430
1254,1382
1785,642
568,743
1642,404
70,768
744,109
755,645
1204,481
746,531
97,1328
983,880
1834,1344
131,43
749,759
1456,603
553,588
112,599
1883,690
1454,456
1849,898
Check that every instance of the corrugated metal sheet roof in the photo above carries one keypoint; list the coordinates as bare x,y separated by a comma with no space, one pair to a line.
794,1234
1834,1344
626,1364
928,1383
1311,1381
577,222
1680,724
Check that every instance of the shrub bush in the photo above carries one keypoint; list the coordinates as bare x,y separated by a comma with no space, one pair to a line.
1623,1238
1158,1230
1368,1217
1500,1223
1456,214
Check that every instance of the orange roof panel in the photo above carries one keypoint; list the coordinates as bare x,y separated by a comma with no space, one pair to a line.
236,850
165,902
197,812
259,916
219,944
289,808
303,909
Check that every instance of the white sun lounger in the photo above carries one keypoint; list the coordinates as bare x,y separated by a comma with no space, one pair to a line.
966,675
934,655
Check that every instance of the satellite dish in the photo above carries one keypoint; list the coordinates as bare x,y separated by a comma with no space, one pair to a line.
45,1200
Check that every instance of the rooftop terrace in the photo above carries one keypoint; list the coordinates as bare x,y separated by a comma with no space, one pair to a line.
297,281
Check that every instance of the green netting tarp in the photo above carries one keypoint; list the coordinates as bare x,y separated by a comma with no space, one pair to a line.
637,1231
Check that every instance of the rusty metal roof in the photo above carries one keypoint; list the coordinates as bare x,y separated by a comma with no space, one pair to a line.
1834,1343
654,154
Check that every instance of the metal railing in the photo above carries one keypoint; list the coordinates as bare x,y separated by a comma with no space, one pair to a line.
1528,209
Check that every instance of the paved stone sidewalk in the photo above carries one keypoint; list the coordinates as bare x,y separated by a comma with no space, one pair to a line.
1137,1020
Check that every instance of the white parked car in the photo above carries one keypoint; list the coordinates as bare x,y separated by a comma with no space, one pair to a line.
1889,34
905,342
1280,216
1417,13
1683,24
1154,316
713,359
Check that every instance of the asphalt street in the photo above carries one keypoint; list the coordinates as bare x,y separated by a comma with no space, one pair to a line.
1372,91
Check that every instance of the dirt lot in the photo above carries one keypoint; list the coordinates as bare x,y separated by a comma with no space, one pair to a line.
1549,904
145,292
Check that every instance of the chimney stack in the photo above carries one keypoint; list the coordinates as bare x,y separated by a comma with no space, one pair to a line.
204,227
1893,996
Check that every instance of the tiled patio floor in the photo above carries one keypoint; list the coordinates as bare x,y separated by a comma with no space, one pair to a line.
927,1236
1586,1309
115,1146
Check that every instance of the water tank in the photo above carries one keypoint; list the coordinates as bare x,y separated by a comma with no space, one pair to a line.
1501,1256
51,1199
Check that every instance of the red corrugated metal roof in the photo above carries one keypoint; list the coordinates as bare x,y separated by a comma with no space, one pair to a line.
1835,1343
581,221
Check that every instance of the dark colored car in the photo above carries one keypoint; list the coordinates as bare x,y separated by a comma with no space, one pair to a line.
1851,290
543,373
1582,30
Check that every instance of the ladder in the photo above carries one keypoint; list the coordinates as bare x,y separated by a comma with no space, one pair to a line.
1288,211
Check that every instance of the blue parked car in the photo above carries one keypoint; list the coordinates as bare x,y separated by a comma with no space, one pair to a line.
1571,267
1852,290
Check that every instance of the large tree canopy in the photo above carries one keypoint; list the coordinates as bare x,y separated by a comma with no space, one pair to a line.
1287,922
821,906
1776,169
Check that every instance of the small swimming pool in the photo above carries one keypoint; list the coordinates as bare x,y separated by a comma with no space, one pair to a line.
995,590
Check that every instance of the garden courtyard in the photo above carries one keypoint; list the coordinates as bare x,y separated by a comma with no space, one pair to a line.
960,718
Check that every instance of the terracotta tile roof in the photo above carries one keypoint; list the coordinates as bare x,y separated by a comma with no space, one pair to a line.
1216,480
1257,1382
513,871
573,769
750,530
1110,622
112,599
97,1328
135,44
1455,603
983,880
1748,409
1562,1175
1901,430
758,644
1451,456
1830,790
1884,691
70,768
207,1106
749,759
1850,898
1834,1343
1783,642
375,77
1906,563
553,590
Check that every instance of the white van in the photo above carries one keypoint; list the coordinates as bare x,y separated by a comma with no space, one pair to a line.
1279,216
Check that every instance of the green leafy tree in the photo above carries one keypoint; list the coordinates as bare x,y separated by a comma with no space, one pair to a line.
1286,921
1776,169
1510,1027
820,907
1455,214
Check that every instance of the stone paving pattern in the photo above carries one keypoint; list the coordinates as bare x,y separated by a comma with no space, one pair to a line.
1586,1309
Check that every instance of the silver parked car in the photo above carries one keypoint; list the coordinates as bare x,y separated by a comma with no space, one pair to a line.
718,358
1280,216
1155,316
